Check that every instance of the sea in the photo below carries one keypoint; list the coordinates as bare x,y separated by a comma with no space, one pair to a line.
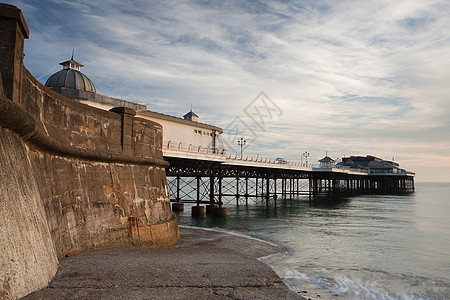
358,247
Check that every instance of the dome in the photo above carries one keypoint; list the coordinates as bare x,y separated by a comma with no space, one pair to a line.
70,77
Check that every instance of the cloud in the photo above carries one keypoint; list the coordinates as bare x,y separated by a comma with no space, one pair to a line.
350,77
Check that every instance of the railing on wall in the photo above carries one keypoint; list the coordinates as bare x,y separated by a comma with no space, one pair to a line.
180,146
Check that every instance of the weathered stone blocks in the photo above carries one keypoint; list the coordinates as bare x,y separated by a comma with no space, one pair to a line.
72,177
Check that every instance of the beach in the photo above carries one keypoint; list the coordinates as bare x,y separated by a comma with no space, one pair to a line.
205,264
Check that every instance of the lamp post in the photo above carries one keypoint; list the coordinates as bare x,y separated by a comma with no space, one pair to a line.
306,155
241,142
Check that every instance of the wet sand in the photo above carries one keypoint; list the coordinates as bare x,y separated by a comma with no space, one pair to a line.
205,264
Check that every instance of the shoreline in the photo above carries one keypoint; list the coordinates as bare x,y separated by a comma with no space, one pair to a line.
205,264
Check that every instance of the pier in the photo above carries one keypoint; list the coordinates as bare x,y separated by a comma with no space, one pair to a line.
206,178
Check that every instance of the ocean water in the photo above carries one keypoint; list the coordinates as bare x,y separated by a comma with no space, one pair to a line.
360,247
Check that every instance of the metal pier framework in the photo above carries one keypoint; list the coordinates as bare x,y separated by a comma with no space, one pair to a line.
216,180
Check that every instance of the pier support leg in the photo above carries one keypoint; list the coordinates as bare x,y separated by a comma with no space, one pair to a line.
275,196
220,191
309,188
178,189
246,191
315,188
220,212
348,186
210,208
211,190
198,190
237,191
274,186
291,184
198,211
262,188
176,207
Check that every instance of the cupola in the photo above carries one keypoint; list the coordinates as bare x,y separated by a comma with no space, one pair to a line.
70,81
327,162
191,116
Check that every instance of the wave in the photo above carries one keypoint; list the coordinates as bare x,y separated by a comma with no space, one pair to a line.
230,233
354,288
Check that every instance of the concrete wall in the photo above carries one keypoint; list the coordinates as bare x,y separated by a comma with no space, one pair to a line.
72,177
106,103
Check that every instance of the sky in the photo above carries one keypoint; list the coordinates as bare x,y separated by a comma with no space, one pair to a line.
337,77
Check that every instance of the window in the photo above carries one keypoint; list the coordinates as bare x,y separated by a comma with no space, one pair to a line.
195,130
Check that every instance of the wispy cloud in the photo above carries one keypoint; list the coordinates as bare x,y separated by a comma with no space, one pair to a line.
351,77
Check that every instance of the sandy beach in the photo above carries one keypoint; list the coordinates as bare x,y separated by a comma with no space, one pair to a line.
205,264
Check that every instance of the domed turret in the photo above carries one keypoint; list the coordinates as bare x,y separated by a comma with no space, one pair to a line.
70,81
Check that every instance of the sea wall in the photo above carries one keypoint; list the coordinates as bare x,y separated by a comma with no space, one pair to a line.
72,177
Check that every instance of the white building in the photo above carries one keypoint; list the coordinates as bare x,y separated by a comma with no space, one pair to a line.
186,134
178,133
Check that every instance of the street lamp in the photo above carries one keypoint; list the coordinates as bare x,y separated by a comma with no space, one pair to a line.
306,155
241,142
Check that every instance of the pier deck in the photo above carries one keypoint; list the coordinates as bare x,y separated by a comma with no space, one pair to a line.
207,178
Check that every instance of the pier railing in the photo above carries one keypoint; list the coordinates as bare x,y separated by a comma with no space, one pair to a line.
219,153
192,151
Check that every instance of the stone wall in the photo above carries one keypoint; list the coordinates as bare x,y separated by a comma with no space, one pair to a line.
72,177
27,254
